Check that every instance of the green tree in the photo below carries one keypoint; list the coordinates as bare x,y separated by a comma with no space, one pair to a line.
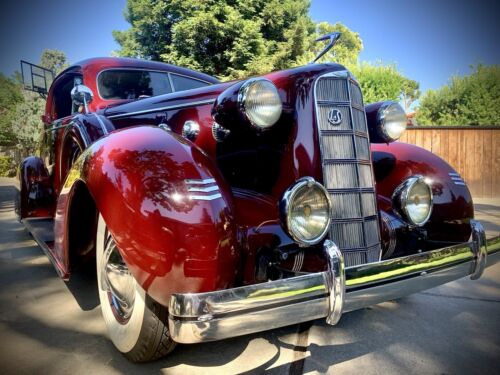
237,38
228,39
21,110
10,97
469,100
379,82
54,60
26,123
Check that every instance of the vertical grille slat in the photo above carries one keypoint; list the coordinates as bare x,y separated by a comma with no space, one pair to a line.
345,205
334,90
338,147
363,148
347,168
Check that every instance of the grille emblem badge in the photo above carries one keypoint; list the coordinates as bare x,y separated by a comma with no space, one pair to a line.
335,117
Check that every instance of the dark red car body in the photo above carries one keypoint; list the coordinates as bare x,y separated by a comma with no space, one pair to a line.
119,161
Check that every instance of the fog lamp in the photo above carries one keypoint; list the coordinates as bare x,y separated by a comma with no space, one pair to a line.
413,200
305,211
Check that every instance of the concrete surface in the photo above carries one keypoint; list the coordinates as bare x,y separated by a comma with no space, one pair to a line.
48,326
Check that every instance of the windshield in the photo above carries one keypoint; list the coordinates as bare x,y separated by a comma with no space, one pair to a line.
131,84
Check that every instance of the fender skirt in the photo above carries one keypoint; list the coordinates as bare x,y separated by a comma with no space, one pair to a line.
166,206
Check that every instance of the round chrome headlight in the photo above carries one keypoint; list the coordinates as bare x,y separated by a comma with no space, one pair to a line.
260,102
392,121
413,200
305,211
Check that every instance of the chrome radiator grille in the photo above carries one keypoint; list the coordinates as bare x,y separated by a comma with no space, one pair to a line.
347,168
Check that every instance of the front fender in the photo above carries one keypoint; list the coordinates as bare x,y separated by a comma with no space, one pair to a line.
453,208
167,207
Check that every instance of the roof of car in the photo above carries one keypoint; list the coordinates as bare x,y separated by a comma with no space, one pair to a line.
125,62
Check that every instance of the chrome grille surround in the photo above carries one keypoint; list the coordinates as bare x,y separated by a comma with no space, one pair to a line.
347,168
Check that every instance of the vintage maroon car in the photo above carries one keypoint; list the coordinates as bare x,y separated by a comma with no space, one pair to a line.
219,209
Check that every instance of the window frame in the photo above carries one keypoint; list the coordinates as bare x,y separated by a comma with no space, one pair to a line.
167,72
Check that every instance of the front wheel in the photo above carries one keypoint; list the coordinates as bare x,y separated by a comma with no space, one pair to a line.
136,323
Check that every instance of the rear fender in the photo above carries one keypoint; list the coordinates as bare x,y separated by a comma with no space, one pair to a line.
35,197
166,206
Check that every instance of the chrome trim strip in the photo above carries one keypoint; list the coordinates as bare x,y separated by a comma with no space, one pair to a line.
298,262
171,82
205,197
166,108
204,189
200,317
103,127
198,182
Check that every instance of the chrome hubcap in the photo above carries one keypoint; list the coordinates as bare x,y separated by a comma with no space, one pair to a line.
117,281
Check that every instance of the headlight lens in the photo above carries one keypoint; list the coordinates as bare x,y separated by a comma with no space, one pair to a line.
260,102
413,200
305,211
392,120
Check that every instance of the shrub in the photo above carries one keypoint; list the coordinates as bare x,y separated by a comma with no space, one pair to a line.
6,167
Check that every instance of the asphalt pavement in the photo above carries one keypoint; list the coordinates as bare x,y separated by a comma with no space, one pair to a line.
48,326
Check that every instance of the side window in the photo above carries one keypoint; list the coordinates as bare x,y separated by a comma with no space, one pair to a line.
131,84
182,83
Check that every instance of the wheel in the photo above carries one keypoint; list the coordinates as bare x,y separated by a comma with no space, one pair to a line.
136,323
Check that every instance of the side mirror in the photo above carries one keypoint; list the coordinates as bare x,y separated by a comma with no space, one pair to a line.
82,95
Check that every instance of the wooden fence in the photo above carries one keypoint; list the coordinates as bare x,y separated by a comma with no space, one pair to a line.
473,151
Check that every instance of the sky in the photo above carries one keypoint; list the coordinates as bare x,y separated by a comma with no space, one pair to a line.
429,40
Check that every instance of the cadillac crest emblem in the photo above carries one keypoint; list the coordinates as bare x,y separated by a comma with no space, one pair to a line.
335,117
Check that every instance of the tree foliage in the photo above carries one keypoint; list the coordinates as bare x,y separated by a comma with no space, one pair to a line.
227,39
468,100
380,82
10,97
54,60
21,110
231,38
238,38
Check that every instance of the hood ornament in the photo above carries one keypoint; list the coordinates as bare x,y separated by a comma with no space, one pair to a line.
333,37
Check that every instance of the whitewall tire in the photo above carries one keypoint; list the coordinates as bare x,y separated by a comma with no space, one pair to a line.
137,325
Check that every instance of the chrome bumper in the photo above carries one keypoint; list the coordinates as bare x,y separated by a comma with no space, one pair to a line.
233,312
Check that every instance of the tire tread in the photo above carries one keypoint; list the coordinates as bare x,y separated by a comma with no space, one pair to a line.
154,340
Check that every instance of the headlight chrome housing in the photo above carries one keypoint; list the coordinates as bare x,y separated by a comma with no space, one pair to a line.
386,121
305,211
260,103
391,119
413,200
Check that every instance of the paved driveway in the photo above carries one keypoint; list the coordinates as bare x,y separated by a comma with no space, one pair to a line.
48,326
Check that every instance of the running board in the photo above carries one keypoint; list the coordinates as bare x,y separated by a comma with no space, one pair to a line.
42,230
